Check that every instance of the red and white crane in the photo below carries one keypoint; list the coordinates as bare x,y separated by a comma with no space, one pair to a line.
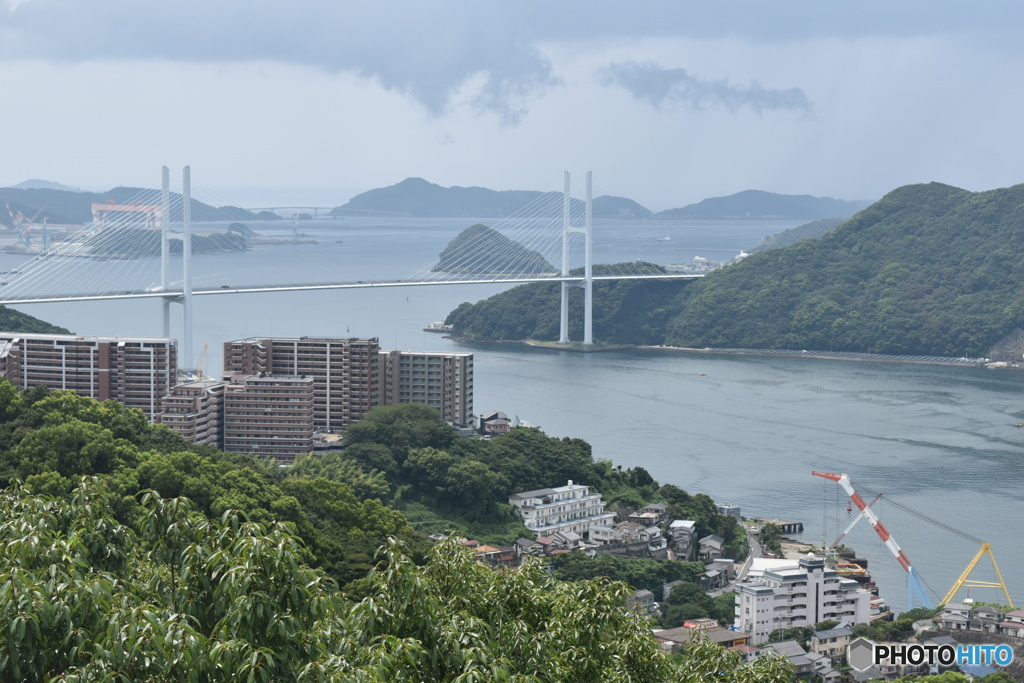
914,584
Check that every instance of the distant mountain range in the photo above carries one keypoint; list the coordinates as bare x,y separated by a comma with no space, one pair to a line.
418,197
62,206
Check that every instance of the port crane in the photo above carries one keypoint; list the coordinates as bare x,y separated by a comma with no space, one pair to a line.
963,580
915,587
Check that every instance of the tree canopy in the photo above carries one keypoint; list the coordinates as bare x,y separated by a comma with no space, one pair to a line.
187,598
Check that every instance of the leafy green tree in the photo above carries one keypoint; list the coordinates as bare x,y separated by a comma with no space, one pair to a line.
186,598
366,482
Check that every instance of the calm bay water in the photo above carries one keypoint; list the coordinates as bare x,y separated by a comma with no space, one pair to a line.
938,439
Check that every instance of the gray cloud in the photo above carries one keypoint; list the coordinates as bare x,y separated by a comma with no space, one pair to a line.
427,51
666,88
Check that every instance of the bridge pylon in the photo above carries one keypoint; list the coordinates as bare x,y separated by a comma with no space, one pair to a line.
588,278
184,297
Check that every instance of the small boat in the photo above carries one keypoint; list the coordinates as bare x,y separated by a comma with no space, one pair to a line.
703,374
666,238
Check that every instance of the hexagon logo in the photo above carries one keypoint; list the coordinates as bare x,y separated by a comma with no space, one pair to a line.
861,654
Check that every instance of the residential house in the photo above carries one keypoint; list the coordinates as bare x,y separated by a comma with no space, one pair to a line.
1013,624
493,423
682,534
831,642
650,515
711,548
795,653
681,636
643,602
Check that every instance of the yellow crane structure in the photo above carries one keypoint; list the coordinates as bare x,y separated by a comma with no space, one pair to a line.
965,580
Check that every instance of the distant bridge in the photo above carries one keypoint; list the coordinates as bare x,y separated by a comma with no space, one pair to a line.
57,267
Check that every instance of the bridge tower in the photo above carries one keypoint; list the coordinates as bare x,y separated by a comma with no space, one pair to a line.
588,268
184,297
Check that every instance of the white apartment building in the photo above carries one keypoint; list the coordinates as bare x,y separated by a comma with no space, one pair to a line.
800,595
564,508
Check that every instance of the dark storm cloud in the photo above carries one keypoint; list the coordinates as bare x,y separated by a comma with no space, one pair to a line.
424,50
667,88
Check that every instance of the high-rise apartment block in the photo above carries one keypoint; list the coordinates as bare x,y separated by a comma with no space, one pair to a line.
269,415
134,371
440,380
195,410
346,372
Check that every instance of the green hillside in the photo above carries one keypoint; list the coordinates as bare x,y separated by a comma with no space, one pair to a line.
625,311
479,249
929,269
812,230
16,321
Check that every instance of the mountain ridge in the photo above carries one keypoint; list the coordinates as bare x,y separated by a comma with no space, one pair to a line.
421,198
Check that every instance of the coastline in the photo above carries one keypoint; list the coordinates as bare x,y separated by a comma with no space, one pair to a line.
848,356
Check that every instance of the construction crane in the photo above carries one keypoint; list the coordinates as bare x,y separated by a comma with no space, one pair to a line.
853,522
202,362
964,579
914,584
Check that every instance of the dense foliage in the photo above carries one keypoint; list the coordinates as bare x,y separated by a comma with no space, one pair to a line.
480,250
929,269
186,598
625,311
812,230
50,439
443,482
16,321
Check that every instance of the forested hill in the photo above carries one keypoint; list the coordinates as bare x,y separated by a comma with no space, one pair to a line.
479,249
760,204
811,230
929,269
16,321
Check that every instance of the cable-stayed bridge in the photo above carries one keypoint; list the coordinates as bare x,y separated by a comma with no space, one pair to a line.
132,250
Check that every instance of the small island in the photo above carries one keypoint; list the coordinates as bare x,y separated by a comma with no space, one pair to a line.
480,250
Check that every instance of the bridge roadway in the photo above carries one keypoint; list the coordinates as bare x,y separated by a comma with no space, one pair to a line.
228,289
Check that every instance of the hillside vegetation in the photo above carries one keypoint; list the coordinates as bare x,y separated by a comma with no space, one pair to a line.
16,321
812,230
929,269
625,311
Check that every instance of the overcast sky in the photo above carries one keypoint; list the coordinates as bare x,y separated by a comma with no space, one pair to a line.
666,102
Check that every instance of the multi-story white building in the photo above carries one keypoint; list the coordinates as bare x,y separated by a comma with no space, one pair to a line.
800,595
564,508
